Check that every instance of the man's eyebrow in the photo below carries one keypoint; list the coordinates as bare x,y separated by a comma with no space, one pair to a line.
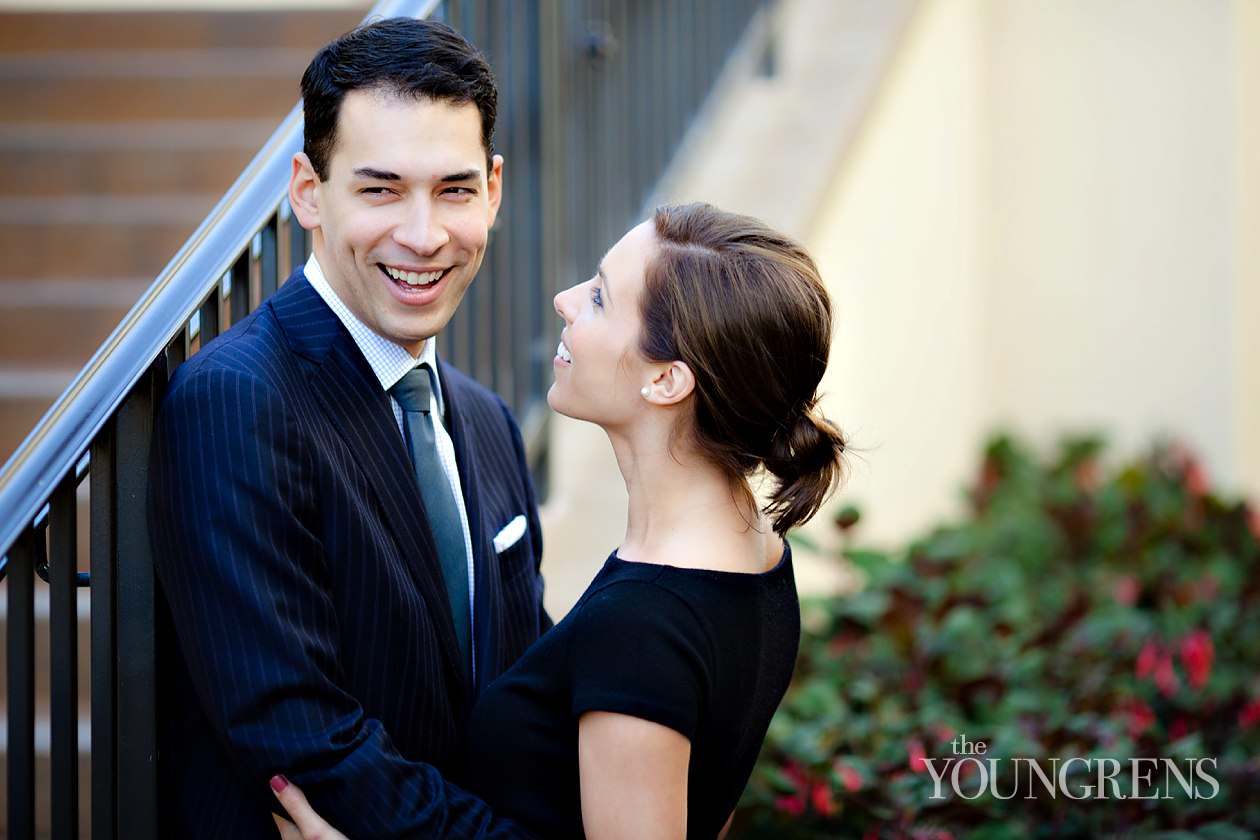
376,174
466,175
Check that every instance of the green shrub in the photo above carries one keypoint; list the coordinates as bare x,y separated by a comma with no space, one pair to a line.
1072,614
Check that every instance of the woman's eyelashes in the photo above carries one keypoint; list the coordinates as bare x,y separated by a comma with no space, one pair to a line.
597,297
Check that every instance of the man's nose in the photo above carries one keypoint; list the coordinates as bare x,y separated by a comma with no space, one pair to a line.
422,231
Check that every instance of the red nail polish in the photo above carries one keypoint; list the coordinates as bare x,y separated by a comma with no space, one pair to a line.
279,783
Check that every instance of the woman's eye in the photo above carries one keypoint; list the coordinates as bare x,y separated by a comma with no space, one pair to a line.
597,296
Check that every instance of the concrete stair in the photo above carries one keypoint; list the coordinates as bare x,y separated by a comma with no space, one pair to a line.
118,133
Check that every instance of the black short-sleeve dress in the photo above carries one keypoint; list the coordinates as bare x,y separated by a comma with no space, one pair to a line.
706,653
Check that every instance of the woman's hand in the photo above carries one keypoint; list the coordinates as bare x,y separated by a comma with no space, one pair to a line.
306,825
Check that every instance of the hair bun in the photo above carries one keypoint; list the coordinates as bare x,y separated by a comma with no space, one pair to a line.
807,443
805,457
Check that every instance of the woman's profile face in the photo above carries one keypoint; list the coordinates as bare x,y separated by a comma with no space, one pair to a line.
598,365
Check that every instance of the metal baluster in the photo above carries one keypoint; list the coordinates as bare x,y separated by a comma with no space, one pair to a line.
298,250
104,529
238,299
136,639
20,626
210,309
269,256
63,634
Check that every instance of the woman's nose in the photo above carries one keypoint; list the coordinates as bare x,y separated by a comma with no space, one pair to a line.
561,303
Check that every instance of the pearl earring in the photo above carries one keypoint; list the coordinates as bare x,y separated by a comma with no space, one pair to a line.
645,390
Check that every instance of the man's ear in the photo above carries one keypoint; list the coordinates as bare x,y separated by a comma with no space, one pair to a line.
494,188
673,384
304,192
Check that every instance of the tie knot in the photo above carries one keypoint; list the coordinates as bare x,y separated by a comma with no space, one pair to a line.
413,390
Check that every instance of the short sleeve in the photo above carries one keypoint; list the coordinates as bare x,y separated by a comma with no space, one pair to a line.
639,650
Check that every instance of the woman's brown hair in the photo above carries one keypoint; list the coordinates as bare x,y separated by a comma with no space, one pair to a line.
744,307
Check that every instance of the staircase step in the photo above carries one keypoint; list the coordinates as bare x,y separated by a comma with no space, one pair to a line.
60,322
117,98
89,249
70,292
36,31
65,337
154,156
115,236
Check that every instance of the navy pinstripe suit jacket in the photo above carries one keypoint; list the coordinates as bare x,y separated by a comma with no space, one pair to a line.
313,635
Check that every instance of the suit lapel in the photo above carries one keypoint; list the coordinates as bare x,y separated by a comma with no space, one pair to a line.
351,396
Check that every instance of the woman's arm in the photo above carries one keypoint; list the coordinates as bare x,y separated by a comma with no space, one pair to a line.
633,777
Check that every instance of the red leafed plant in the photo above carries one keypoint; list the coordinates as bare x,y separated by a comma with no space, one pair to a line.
1080,610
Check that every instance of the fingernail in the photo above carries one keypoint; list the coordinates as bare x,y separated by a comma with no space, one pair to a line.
279,783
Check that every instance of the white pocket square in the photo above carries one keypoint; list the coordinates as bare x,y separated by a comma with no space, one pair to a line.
510,535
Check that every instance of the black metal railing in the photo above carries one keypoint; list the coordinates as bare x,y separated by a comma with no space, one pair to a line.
595,97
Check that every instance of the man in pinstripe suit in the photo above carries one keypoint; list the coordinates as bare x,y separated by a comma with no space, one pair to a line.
313,635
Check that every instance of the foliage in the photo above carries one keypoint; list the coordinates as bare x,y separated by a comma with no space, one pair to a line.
1071,614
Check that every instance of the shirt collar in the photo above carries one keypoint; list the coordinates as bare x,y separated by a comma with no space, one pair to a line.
389,361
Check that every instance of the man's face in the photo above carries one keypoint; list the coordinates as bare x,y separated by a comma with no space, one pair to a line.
401,223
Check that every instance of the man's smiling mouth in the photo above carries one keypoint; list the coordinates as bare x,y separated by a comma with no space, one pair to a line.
414,278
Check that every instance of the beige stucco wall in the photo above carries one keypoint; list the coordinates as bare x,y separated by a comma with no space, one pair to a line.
1111,170
900,240
1049,222
1244,79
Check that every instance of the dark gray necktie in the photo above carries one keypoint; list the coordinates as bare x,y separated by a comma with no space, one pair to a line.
413,394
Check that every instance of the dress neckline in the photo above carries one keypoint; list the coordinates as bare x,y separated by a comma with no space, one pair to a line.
784,559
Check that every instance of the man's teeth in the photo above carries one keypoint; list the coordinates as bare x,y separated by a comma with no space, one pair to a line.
413,278
563,352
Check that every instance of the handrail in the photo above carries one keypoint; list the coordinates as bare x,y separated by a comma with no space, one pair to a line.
61,437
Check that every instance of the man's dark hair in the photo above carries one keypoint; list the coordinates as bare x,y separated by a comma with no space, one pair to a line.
402,57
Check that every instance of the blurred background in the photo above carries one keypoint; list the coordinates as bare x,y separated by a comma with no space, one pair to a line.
1041,217
1036,218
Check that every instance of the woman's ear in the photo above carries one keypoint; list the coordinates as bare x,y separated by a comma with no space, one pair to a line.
304,192
673,384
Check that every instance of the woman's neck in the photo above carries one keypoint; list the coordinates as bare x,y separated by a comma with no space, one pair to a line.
684,511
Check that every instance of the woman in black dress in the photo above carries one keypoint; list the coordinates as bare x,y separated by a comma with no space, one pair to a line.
698,347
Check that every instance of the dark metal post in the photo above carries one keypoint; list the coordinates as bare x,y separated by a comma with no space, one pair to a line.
104,724
211,308
20,626
268,257
297,252
137,718
239,303
63,633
